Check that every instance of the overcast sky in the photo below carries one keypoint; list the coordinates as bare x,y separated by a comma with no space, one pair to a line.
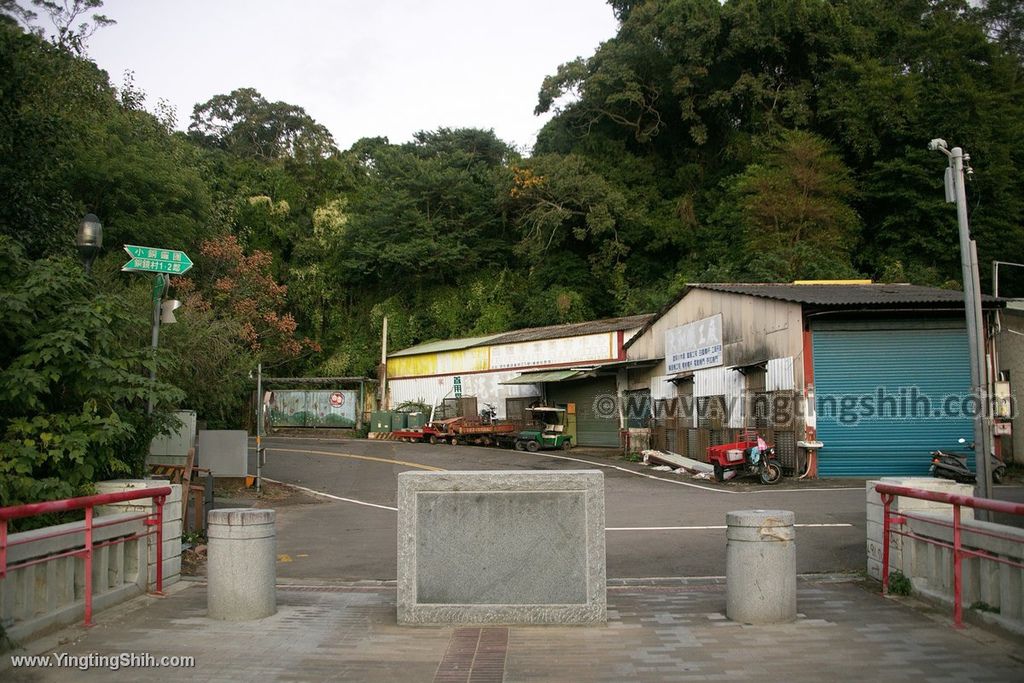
362,68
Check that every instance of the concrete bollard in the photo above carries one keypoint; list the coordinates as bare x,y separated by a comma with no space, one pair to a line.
760,566
241,564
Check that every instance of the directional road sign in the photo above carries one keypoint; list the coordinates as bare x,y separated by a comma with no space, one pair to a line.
156,260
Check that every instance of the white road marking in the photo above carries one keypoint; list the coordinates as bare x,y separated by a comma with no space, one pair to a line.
639,474
702,528
609,528
331,496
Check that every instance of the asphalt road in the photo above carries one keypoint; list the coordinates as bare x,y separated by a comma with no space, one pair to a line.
658,524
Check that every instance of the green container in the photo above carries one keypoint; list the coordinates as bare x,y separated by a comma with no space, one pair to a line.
399,421
417,420
380,421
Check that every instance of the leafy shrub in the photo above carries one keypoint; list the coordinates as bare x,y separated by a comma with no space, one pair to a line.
899,583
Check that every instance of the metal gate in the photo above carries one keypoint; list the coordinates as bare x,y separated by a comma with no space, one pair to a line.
888,394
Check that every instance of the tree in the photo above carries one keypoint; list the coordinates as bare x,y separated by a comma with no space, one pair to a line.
73,382
71,146
247,125
794,213
239,287
63,15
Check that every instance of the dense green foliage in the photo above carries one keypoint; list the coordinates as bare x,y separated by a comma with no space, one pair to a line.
745,140
72,392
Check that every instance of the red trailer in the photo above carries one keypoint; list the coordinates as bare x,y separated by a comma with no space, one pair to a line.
464,430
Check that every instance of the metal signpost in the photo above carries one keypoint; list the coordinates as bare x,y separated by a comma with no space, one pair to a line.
163,262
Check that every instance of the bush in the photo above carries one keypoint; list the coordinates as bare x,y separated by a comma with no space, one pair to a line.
899,583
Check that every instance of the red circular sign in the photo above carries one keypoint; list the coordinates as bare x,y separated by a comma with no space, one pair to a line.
337,399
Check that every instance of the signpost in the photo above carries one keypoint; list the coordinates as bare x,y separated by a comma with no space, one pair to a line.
156,260
163,262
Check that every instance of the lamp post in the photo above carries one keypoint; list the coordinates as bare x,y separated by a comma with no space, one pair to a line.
89,240
956,193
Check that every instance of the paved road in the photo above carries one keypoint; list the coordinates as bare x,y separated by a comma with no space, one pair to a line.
658,525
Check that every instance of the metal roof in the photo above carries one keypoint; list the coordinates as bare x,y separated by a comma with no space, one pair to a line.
530,334
834,296
847,295
548,376
444,345
573,329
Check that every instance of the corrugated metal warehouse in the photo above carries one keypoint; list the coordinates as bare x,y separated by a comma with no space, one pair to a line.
879,373
569,366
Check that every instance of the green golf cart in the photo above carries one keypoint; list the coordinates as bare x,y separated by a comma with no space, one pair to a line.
547,431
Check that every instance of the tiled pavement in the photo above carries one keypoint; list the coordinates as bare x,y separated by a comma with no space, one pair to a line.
654,633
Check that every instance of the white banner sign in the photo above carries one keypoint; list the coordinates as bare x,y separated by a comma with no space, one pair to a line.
694,346
591,347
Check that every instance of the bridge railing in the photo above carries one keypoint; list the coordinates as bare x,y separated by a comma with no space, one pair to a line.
152,521
896,524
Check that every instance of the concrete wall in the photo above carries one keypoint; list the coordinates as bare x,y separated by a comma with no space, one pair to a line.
172,522
501,547
51,594
875,515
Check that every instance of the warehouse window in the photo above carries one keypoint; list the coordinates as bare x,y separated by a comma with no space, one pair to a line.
712,412
637,408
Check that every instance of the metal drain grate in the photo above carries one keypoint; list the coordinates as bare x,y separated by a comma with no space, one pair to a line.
474,655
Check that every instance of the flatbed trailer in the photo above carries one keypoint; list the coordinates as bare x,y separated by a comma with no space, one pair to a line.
461,430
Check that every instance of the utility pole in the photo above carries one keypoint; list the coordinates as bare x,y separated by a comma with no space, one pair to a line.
159,286
259,427
956,193
384,366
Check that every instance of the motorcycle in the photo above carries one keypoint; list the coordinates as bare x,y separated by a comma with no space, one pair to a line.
745,458
950,465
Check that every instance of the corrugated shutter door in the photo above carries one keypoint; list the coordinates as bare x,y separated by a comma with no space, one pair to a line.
591,429
868,437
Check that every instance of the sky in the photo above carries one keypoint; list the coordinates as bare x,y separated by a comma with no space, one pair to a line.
363,69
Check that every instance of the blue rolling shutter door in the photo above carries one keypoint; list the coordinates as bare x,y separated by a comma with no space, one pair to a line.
857,363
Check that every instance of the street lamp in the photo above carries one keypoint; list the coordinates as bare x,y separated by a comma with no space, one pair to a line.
959,165
89,240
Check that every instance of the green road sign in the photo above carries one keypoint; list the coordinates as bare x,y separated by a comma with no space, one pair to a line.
156,260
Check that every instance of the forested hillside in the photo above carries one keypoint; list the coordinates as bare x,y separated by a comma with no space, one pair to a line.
749,140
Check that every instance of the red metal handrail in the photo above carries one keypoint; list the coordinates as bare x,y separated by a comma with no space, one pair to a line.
888,493
152,519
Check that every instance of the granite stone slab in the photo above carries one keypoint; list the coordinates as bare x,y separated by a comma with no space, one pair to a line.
501,547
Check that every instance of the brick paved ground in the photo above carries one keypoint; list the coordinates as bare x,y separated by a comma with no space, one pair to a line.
654,633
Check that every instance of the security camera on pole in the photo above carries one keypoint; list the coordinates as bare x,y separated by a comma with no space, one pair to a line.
955,193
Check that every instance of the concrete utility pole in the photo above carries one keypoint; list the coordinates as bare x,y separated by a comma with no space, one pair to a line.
384,366
956,193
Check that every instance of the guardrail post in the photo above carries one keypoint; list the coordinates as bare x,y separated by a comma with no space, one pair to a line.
887,499
958,608
88,565
159,545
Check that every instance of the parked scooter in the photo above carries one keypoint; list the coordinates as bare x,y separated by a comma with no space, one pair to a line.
741,458
950,465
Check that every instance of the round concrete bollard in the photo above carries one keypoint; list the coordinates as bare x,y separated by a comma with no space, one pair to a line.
241,564
760,566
